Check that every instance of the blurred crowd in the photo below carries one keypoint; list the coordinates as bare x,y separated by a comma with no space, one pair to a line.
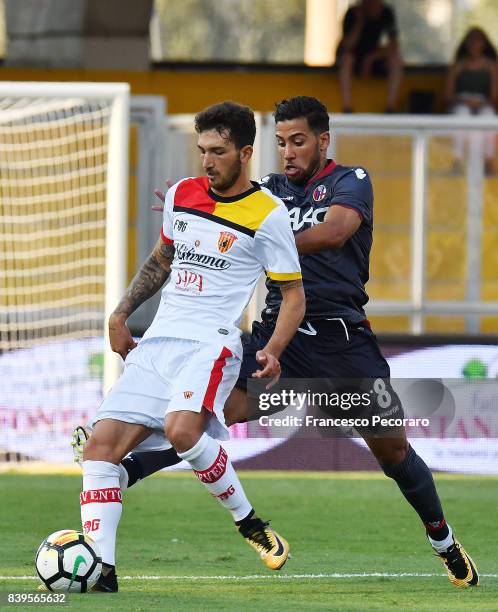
370,47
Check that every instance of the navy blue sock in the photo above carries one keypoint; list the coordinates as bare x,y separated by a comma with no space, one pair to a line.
415,481
142,464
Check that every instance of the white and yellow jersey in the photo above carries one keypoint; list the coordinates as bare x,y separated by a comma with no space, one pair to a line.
222,245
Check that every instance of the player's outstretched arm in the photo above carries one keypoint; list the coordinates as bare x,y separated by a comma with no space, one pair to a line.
148,280
289,318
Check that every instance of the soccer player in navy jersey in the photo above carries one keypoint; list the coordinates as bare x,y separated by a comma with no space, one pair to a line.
331,212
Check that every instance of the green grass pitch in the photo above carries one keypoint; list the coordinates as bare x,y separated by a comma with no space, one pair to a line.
178,550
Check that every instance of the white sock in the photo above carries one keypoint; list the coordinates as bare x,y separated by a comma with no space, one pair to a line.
123,477
101,506
212,466
442,545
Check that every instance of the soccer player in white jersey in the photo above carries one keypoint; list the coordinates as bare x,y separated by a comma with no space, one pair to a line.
219,233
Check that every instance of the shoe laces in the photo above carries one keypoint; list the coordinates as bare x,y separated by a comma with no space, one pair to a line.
258,534
455,561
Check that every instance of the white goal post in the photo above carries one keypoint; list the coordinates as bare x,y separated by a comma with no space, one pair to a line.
63,171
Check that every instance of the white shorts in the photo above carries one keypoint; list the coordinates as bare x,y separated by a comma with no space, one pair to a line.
163,375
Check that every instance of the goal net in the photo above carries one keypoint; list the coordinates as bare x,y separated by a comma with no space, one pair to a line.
63,196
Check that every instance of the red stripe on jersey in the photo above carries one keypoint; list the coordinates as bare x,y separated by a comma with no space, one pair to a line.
193,193
215,378
165,239
327,170
101,496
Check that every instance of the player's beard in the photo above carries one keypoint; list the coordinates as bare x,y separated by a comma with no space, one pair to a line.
223,183
306,173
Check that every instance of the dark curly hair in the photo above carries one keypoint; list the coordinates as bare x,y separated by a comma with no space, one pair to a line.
230,120
303,106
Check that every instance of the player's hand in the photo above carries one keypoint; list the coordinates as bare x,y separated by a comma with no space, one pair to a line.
162,195
271,367
119,335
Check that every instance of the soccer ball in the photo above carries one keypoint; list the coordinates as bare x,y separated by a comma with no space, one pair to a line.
68,561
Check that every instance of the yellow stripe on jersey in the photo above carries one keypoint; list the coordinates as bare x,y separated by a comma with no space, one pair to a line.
249,212
284,276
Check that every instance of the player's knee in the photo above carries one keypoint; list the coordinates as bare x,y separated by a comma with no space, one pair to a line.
231,419
236,408
393,452
181,436
99,450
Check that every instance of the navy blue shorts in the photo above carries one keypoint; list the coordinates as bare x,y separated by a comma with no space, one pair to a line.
346,354
322,349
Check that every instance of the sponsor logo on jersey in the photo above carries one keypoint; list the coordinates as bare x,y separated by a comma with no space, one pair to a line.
226,241
189,281
360,173
223,331
197,243
312,216
188,254
179,225
287,198
188,394
319,193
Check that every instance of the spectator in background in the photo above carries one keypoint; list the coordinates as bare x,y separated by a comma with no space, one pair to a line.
472,88
369,47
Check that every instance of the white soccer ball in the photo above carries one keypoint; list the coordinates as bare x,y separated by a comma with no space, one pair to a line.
68,561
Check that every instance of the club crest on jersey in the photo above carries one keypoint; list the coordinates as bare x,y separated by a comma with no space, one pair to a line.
188,394
319,193
225,241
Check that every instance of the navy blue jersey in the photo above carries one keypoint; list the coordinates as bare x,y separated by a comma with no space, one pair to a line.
334,279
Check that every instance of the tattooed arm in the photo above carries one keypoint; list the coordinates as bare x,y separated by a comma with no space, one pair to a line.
291,314
148,280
